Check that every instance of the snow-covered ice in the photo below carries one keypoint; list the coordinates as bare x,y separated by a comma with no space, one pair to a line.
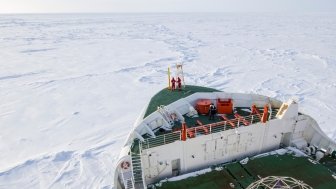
72,85
188,175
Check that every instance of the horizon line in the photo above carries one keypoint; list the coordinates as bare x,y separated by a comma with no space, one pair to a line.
165,12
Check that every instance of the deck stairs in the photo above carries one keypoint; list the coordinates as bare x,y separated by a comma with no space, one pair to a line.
128,180
136,166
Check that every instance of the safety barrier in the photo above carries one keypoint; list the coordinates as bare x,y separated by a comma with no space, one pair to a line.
241,121
161,140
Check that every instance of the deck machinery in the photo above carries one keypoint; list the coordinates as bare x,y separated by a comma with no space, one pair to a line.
171,137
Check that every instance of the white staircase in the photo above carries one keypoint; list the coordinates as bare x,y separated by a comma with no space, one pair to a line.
128,179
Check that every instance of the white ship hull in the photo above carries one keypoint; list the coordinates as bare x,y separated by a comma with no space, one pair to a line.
287,127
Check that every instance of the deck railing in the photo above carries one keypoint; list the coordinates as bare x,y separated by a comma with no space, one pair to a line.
193,132
161,140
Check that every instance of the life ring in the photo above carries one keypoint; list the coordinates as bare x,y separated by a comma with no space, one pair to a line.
125,165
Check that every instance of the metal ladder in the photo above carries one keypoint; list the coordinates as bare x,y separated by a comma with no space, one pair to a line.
136,167
128,180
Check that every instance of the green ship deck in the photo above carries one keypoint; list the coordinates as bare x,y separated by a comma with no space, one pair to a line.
165,96
317,175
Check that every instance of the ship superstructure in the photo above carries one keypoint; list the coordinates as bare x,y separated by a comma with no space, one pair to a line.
174,136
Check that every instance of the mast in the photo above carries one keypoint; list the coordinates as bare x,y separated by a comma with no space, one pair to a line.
179,73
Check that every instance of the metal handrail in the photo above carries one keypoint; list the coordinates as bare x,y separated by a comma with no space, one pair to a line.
204,130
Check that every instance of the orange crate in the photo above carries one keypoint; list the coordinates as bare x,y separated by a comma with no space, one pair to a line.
224,106
203,106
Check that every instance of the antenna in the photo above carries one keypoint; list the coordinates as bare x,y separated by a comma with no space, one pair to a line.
179,73
169,86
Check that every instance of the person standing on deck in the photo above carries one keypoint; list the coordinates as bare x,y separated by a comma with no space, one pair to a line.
179,83
173,84
212,111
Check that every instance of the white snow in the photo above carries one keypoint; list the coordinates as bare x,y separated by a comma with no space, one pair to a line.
282,151
188,175
297,152
244,161
291,150
72,85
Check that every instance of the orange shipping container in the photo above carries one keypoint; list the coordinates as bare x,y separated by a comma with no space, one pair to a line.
203,106
224,106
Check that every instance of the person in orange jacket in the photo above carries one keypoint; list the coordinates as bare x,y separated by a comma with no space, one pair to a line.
179,84
173,84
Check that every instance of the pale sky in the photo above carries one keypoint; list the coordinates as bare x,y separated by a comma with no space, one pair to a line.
72,6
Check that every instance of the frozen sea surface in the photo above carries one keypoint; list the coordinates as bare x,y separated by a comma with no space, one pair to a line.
72,85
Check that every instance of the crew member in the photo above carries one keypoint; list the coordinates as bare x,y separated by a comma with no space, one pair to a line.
179,83
212,111
173,84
